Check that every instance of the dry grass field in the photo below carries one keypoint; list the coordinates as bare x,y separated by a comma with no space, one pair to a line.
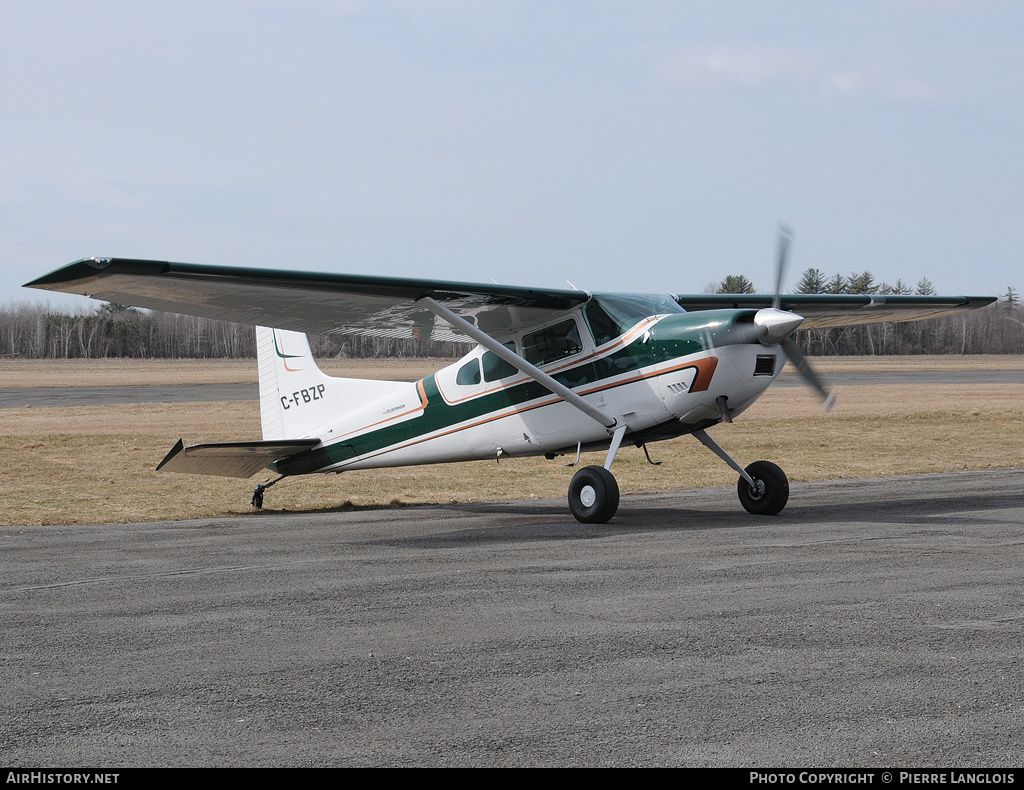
96,464
21,373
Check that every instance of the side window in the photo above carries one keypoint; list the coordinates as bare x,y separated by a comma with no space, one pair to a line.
495,367
469,373
602,326
553,342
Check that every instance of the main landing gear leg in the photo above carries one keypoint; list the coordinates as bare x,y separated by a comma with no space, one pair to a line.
257,492
593,492
763,487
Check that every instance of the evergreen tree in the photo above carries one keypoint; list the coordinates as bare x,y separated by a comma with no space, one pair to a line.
863,283
812,282
736,284
837,285
899,288
925,287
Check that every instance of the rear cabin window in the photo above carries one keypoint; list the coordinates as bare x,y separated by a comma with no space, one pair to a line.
552,343
495,367
469,373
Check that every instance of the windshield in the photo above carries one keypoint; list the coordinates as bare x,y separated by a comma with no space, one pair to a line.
611,315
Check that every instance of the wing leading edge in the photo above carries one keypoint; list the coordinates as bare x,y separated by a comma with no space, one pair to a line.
388,306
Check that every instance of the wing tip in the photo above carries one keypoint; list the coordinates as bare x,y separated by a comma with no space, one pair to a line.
178,447
86,270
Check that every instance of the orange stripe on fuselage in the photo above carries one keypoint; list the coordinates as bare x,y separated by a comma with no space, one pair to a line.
705,371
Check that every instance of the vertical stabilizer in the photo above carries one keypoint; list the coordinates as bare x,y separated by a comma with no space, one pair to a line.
296,397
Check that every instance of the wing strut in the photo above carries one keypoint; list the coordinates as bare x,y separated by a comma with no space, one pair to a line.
518,362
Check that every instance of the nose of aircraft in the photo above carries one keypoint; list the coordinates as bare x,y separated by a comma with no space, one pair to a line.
775,325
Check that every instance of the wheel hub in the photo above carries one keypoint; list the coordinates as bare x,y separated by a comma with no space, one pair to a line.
588,496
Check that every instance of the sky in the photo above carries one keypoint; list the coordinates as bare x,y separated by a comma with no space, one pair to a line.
640,145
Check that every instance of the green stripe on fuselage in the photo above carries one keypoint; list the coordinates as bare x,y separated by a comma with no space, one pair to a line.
671,338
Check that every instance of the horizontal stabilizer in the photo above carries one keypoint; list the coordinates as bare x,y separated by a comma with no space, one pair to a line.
230,459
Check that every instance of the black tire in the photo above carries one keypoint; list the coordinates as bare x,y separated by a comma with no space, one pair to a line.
593,495
775,494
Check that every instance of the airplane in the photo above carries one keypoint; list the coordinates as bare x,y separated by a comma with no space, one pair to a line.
554,372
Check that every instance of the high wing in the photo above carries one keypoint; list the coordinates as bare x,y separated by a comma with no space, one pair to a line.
824,310
306,301
389,307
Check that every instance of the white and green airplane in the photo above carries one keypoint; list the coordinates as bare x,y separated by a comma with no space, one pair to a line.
555,372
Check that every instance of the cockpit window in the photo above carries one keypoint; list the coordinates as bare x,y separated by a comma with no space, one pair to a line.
611,315
553,342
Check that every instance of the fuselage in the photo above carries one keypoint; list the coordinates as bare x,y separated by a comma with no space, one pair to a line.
664,375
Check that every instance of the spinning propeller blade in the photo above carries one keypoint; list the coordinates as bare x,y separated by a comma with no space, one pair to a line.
785,239
803,367
794,353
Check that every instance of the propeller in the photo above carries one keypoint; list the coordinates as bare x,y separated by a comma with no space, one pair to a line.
778,325
785,239
803,367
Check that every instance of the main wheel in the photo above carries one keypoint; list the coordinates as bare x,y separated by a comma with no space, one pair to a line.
771,492
593,495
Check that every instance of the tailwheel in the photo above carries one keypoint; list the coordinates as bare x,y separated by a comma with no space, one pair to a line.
257,492
593,495
770,492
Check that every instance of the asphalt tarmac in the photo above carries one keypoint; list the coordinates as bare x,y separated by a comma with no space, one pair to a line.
37,397
873,623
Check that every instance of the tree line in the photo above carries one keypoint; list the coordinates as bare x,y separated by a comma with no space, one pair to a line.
41,332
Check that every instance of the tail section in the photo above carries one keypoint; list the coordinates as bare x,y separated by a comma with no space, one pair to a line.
296,397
